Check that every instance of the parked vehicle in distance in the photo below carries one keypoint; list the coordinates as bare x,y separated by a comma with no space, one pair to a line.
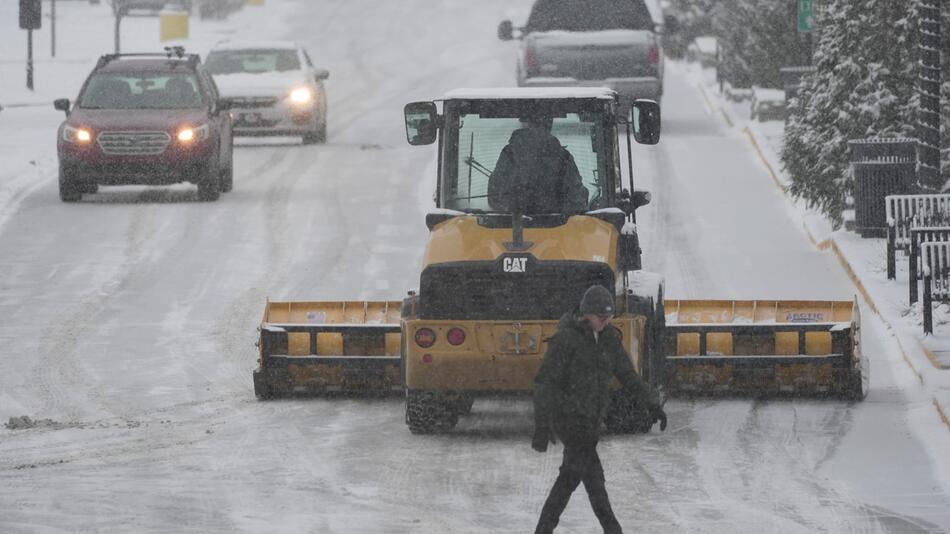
593,43
146,119
767,104
274,88
703,50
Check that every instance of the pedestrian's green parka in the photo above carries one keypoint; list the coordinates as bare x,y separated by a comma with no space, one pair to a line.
572,386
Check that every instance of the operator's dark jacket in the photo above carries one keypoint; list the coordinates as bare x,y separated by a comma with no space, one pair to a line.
572,387
545,171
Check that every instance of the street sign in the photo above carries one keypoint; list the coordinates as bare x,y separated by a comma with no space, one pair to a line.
806,18
30,14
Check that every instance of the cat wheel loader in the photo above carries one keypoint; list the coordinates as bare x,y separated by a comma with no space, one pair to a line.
495,282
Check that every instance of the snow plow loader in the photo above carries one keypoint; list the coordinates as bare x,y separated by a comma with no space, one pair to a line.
496,280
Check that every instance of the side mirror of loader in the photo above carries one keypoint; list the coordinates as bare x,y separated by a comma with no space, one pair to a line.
629,203
422,120
646,121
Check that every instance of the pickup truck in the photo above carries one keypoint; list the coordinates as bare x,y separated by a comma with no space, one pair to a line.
591,43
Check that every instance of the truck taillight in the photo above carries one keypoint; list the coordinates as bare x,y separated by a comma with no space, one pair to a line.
530,62
455,336
654,55
425,337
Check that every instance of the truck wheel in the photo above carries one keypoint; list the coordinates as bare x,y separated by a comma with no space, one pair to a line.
209,184
427,413
627,416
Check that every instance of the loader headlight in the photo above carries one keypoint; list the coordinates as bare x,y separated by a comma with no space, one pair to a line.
188,135
301,95
425,337
80,136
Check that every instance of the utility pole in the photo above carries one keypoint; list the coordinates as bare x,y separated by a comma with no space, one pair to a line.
52,27
928,88
29,59
806,24
31,18
119,9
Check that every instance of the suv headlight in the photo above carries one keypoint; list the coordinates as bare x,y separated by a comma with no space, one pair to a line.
80,136
301,95
188,134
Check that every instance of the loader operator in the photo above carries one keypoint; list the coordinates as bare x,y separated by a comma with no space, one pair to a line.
570,401
535,174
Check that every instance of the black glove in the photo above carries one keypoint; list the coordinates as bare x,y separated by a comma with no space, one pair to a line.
542,436
658,414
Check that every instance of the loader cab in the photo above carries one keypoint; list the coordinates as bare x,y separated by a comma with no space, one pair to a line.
477,125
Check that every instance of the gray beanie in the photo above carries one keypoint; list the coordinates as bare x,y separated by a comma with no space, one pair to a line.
597,301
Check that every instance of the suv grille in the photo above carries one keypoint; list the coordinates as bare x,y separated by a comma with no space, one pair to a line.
254,101
133,143
482,291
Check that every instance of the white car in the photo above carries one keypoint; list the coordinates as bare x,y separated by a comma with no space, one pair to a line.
273,87
704,50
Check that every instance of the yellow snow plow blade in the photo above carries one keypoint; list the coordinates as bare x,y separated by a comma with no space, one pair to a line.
329,347
764,348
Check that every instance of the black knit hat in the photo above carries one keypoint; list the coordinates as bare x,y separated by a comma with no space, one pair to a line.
597,301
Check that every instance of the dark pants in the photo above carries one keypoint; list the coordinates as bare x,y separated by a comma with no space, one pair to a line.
581,464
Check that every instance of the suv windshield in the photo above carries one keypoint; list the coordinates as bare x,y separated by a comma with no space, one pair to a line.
589,15
141,90
481,136
252,61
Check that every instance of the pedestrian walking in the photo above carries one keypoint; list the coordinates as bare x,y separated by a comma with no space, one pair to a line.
572,392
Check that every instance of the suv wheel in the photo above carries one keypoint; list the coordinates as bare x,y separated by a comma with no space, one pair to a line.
209,183
227,174
69,189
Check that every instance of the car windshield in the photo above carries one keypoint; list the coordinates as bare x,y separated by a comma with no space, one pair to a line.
482,135
141,90
252,61
589,15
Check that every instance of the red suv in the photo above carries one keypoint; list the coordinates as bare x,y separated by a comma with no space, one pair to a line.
146,119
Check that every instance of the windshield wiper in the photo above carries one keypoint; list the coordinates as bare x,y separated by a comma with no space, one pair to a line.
475,164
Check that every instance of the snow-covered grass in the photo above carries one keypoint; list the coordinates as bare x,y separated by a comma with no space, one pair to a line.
927,356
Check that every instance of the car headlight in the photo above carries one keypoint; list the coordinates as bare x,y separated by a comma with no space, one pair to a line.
80,136
301,95
190,134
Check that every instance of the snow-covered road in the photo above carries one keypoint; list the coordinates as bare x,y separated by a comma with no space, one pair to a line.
128,323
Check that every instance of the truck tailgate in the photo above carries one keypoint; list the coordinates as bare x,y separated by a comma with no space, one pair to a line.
594,55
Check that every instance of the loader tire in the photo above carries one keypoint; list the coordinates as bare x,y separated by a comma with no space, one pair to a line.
428,413
627,416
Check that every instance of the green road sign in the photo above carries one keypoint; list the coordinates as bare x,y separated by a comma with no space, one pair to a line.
806,20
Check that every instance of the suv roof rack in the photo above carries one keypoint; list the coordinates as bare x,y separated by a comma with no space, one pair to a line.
171,52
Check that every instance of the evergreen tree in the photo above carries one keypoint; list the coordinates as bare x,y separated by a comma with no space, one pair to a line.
945,89
694,19
759,37
864,86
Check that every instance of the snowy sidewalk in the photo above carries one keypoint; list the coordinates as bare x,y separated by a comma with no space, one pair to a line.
928,357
